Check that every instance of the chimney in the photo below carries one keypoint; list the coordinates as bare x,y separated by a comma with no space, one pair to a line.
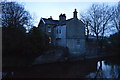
62,17
75,14
50,18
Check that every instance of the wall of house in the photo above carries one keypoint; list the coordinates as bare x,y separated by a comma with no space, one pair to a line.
50,32
61,35
75,34
48,29
76,46
75,29
42,26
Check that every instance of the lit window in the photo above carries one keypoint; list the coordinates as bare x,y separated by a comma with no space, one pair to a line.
49,39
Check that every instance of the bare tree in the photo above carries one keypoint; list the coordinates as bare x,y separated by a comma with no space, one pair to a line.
14,15
106,18
116,17
98,17
86,22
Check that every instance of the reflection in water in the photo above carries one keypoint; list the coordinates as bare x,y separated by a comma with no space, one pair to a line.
7,74
105,71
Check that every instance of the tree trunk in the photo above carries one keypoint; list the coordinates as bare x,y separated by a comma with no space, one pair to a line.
87,30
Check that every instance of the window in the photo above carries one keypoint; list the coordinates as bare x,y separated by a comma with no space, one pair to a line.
59,30
49,29
49,39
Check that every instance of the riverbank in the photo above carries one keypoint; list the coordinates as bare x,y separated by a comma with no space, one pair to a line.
99,56
56,66
52,58
66,69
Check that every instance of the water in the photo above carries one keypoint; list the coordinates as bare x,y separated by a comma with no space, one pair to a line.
94,68
105,71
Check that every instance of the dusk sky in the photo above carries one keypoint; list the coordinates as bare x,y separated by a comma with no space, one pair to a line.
54,8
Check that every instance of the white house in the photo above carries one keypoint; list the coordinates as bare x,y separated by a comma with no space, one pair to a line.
67,33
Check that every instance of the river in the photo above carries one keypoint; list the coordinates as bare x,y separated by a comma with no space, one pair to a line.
92,68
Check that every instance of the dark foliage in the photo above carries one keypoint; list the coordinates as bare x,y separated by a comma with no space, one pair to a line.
27,46
18,47
12,40
113,43
18,43
36,43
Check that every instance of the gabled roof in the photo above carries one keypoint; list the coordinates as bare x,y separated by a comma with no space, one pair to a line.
55,22
64,22
49,21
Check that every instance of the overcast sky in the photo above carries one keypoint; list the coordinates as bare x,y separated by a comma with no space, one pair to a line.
54,8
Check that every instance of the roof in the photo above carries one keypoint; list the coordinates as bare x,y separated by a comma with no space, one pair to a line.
50,21
64,22
55,22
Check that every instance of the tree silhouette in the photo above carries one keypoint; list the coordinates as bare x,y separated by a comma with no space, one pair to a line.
14,15
116,17
17,45
97,18
37,42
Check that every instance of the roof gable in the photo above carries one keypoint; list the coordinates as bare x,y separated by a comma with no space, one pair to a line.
50,21
56,22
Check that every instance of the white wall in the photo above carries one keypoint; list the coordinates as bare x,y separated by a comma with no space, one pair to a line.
61,36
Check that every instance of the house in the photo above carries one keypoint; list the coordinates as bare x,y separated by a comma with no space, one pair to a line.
67,33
